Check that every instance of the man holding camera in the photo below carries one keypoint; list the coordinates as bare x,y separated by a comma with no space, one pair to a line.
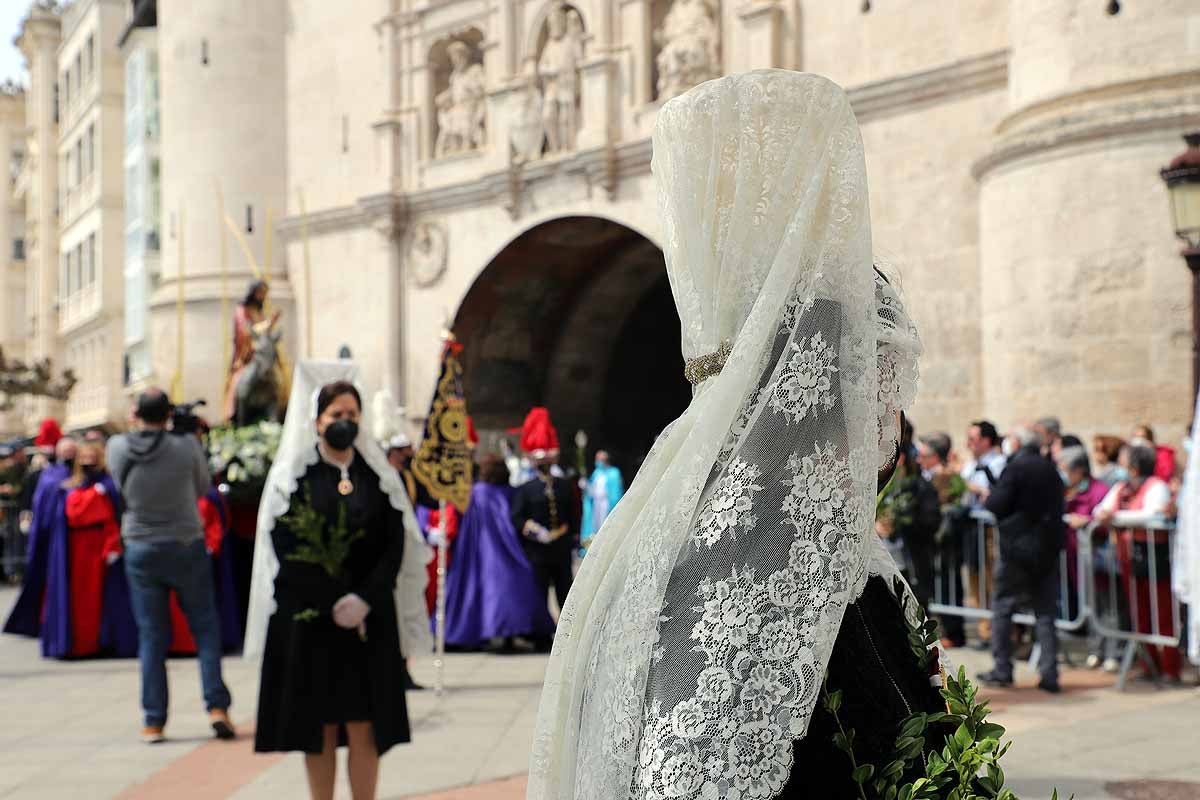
161,476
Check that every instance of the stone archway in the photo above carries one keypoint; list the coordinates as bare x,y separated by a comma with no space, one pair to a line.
575,314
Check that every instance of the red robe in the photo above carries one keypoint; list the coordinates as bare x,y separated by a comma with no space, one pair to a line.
182,642
1167,660
93,535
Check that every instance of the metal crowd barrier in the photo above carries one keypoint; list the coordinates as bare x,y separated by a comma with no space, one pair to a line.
12,542
1111,598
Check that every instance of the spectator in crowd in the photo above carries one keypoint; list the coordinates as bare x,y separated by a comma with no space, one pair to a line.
909,518
1028,503
1084,493
162,476
1143,555
933,454
1050,431
1065,441
980,473
1106,450
1164,457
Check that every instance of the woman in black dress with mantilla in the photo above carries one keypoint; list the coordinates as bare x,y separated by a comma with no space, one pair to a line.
332,656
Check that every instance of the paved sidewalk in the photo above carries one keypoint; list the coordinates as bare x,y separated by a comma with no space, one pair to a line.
72,733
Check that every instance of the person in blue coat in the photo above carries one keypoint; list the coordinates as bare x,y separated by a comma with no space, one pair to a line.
604,489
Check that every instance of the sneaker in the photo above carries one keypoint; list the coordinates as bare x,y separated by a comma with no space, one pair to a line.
153,734
218,718
994,680
1110,665
1093,661
1049,688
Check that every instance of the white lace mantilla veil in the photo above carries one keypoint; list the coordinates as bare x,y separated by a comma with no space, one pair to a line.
694,642
297,452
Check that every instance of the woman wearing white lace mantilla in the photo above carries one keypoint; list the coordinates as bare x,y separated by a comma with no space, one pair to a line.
742,564
337,590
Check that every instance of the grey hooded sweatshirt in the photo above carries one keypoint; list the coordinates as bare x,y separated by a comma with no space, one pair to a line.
161,476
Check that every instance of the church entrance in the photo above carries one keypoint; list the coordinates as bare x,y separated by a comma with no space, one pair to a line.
575,314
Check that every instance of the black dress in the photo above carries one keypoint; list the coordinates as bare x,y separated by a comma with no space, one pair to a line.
882,683
314,672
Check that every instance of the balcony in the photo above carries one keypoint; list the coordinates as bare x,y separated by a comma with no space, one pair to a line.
79,307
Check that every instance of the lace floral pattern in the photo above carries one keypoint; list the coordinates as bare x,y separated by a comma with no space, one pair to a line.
730,506
691,651
806,381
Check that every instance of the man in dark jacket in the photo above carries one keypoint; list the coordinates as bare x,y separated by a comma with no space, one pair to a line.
544,515
1028,504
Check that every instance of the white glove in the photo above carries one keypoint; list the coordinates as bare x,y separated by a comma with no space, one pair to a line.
112,558
435,537
99,487
350,611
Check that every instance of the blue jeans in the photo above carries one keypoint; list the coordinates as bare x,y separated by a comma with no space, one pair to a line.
154,569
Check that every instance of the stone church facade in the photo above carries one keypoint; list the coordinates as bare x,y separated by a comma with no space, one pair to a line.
413,165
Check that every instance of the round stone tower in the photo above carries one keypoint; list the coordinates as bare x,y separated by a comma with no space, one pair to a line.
1085,299
222,95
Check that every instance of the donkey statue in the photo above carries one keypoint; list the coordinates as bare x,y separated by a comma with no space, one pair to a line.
257,392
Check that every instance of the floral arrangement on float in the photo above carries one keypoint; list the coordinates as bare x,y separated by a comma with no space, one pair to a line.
243,455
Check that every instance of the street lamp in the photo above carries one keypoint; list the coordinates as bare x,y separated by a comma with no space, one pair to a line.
1182,177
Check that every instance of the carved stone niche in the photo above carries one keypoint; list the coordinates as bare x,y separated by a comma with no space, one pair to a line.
560,53
458,116
686,45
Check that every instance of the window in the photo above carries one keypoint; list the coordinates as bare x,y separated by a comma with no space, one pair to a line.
91,259
66,89
56,101
78,160
78,72
18,250
90,51
78,267
91,149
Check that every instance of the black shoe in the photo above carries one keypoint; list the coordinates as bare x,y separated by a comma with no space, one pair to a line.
994,679
1049,688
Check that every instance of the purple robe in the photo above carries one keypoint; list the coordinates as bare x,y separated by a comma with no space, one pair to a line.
26,616
490,589
224,585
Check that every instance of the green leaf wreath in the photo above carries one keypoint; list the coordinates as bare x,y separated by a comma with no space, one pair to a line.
329,552
968,765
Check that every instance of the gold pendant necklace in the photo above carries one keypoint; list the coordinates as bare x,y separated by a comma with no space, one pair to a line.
345,486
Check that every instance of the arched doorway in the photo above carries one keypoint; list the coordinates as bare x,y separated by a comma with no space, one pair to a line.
575,314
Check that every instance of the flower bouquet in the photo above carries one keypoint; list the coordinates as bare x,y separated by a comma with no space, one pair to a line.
243,455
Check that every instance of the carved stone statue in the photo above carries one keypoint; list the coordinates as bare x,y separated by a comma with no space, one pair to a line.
558,67
689,40
462,106
526,132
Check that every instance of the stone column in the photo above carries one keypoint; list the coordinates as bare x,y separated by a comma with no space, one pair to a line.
39,40
597,78
638,43
761,46
1085,311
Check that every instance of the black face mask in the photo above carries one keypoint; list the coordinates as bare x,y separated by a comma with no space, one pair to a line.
341,434
69,463
91,472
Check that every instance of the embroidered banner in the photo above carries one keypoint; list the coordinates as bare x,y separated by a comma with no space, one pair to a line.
443,462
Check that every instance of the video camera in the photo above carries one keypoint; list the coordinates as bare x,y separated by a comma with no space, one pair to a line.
184,421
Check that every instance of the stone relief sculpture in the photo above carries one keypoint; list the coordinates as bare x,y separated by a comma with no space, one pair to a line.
558,67
526,131
462,105
427,251
689,40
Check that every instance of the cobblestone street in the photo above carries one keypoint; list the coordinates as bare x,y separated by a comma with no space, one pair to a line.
72,733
